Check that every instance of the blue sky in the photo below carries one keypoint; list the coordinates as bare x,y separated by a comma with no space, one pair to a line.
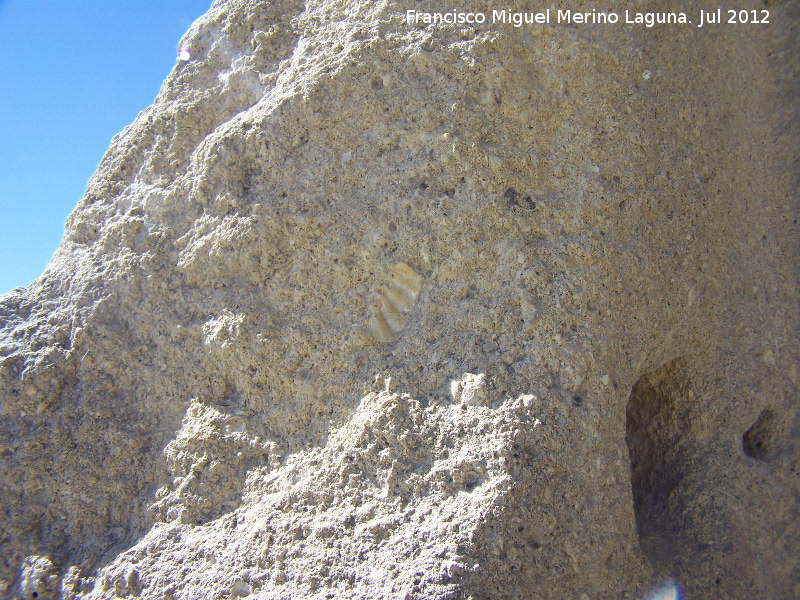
72,74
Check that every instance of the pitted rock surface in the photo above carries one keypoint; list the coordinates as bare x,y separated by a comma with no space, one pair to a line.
365,309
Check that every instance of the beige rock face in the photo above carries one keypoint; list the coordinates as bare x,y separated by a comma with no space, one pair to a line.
362,309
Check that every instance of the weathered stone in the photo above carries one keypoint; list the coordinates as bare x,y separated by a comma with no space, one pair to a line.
576,284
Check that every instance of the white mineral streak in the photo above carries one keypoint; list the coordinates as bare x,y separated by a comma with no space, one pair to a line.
577,288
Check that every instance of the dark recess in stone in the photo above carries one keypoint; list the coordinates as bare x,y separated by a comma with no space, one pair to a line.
656,427
774,436
757,441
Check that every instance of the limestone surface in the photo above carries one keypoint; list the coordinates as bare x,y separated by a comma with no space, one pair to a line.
364,308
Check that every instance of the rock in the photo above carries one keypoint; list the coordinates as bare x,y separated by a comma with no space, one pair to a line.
470,389
577,288
38,578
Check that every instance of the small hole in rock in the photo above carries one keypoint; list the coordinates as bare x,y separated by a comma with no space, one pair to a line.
757,442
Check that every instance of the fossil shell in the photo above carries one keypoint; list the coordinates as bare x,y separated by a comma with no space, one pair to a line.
395,302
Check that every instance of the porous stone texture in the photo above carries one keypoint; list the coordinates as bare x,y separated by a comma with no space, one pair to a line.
363,309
